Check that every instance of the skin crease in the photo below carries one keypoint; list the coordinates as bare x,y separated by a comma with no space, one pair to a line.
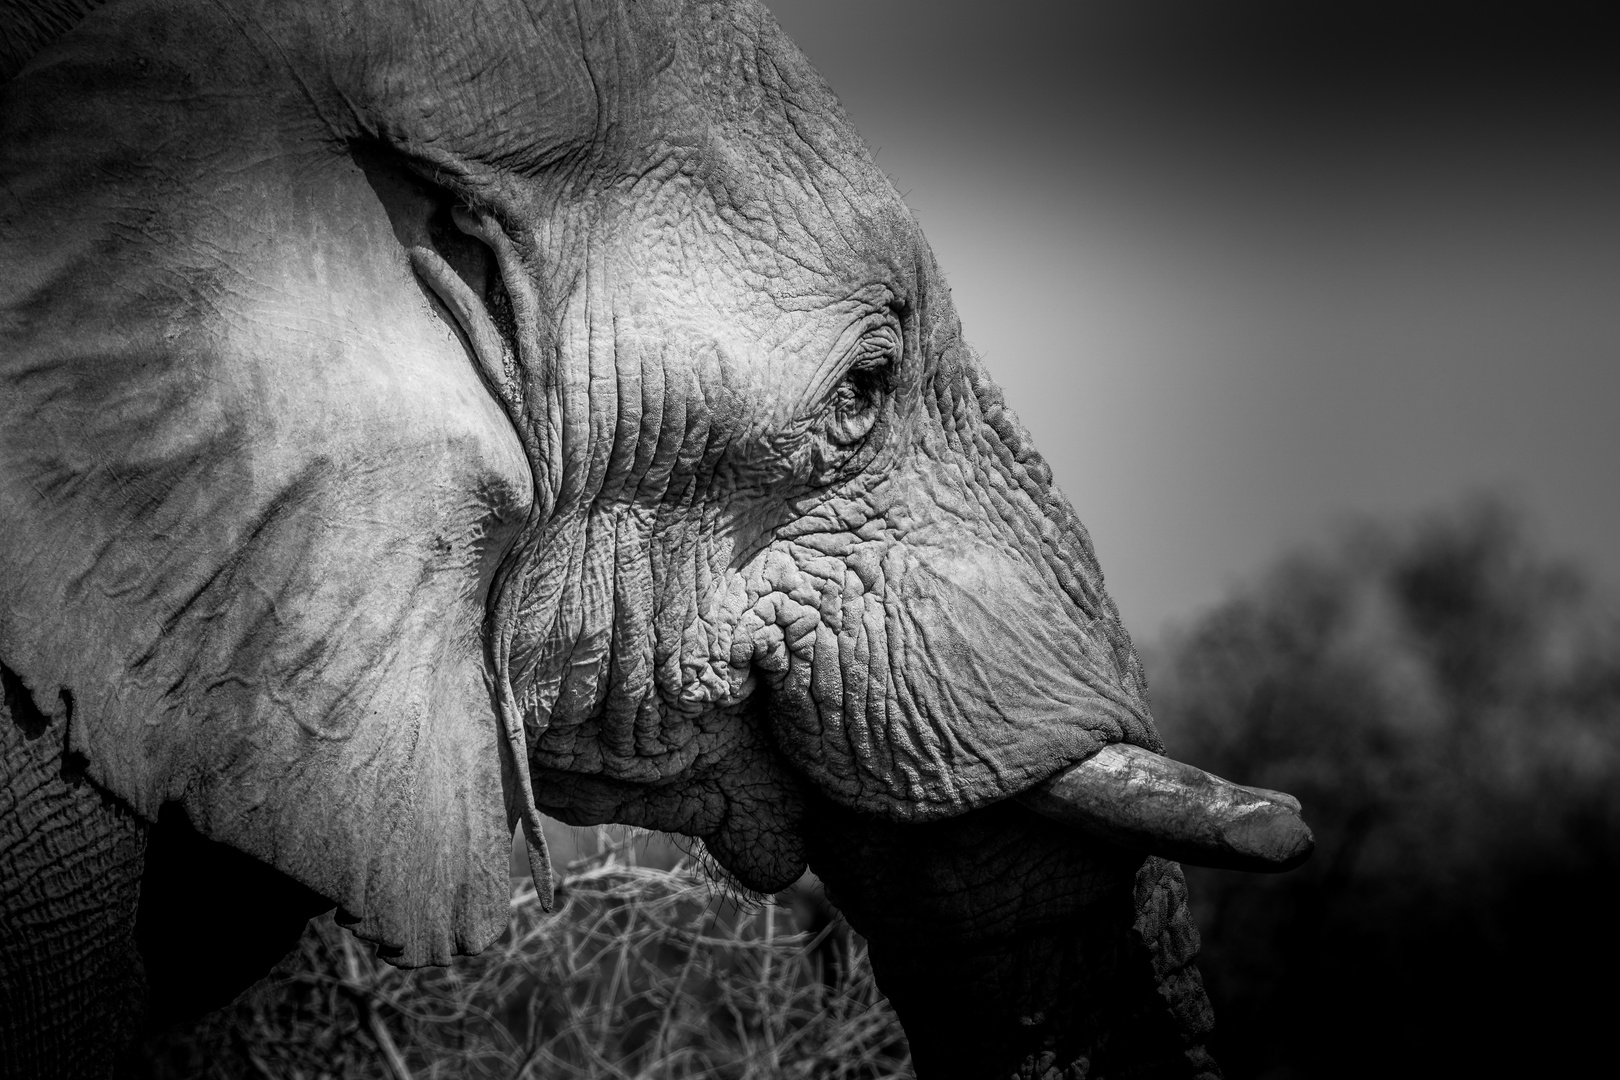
716,526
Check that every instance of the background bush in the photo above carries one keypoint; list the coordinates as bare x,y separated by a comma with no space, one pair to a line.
1446,704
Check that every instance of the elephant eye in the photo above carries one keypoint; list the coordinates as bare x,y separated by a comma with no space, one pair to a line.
858,400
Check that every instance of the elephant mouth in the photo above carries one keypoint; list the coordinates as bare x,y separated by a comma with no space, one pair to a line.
1133,798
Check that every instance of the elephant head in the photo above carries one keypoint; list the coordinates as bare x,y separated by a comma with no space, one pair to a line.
418,414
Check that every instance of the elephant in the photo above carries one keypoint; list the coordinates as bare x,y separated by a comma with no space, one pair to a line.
419,415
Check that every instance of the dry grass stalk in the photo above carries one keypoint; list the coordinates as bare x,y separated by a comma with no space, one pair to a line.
639,973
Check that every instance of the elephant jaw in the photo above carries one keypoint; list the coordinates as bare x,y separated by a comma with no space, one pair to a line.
1136,799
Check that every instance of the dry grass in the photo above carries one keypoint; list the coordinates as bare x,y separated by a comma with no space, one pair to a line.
640,972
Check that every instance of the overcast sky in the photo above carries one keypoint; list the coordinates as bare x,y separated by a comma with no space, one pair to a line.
1246,269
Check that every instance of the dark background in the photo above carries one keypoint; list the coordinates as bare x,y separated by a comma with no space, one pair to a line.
1245,268
1281,290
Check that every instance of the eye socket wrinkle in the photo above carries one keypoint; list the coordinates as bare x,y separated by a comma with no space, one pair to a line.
864,386
858,398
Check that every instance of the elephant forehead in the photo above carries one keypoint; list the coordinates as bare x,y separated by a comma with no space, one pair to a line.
760,214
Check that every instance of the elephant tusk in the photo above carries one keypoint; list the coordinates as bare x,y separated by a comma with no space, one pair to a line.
1134,798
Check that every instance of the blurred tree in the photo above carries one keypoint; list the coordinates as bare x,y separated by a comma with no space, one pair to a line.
1446,704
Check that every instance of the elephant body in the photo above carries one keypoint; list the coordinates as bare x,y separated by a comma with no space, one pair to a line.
419,415
71,978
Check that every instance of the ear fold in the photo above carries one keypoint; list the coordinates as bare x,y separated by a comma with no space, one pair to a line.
252,489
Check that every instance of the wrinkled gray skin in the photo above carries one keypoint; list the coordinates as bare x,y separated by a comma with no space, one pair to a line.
418,412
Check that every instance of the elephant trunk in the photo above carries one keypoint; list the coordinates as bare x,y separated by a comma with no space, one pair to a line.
1009,948
1037,931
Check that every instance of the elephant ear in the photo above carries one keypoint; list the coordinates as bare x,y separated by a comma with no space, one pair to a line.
27,26
252,490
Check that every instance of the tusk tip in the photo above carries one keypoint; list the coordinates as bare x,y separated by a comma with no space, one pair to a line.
1273,838
1133,798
